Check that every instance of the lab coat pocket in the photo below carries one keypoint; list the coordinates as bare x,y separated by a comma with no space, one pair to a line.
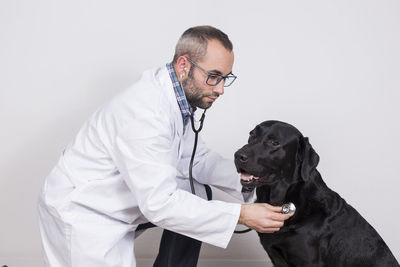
109,197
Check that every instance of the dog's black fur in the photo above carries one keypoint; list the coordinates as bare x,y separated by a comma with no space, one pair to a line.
325,230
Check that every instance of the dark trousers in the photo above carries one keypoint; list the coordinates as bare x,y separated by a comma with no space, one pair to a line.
177,250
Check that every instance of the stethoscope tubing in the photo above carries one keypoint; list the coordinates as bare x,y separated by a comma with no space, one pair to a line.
196,137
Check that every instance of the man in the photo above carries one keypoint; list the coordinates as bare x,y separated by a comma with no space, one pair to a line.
128,163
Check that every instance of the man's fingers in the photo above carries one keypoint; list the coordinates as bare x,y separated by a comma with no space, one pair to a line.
262,217
276,224
274,208
280,217
268,230
277,214
277,209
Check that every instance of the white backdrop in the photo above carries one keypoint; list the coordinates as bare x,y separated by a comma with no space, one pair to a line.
331,68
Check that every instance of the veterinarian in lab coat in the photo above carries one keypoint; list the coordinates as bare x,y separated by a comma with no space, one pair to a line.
128,163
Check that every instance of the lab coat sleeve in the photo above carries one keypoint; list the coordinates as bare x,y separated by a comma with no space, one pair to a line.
212,169
144,156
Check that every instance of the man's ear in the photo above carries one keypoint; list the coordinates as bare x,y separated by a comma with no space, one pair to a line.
308,159
182,66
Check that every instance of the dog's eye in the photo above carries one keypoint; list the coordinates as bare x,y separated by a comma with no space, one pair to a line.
273,143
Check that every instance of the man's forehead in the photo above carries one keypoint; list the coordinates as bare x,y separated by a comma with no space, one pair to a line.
217,59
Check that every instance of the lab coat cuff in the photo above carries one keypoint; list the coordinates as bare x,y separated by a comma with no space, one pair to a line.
232,226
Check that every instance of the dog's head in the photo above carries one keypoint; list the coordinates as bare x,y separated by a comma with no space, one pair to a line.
276,152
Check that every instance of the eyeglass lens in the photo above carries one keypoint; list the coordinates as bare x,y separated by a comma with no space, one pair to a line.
216,79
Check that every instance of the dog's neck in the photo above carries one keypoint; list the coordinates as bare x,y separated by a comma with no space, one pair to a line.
274,194
304,194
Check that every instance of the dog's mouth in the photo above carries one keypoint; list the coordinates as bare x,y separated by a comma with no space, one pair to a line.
249,180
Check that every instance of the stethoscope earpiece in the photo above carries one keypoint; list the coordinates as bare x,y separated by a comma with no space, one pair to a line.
181,74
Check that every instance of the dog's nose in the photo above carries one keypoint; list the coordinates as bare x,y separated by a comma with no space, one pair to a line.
243,158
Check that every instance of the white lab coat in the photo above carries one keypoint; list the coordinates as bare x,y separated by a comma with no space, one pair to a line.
126,167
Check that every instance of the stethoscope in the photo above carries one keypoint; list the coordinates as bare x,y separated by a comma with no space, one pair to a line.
286,208
196,136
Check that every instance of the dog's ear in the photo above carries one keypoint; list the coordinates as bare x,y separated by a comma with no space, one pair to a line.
308,159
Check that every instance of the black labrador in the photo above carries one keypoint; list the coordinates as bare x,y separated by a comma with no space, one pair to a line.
325,230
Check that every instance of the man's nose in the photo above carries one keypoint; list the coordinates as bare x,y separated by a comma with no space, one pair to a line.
219,88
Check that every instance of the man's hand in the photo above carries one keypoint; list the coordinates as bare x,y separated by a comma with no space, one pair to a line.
262,217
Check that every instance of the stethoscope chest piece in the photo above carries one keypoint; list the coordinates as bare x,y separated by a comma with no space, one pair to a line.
288,208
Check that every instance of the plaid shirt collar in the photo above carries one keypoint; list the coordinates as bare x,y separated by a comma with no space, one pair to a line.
184,106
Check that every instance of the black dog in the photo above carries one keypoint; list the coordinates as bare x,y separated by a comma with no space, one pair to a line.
325,230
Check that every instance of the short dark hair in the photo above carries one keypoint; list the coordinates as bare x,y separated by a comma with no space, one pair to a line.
193,42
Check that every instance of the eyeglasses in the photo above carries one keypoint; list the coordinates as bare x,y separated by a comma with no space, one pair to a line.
214,78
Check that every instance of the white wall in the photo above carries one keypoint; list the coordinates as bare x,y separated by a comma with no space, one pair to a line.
331,68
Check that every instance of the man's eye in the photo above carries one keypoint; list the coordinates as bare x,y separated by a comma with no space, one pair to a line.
213,77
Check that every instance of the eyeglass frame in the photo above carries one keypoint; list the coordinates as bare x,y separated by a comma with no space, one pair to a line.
220,77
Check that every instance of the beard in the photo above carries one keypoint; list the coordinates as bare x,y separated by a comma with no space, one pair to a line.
194,93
